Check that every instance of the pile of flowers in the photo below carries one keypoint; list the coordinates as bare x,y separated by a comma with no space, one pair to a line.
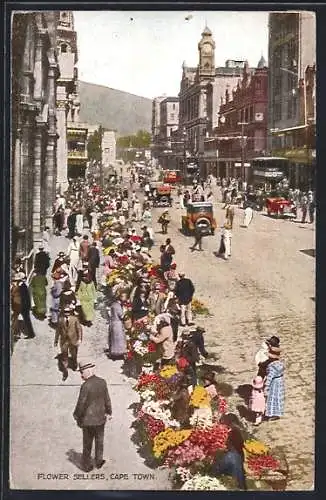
260,464
199,482
199,307
200,397
169,439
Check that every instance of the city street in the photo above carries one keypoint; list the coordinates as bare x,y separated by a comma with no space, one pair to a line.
266,288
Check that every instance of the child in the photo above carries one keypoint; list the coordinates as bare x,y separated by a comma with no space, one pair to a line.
257,399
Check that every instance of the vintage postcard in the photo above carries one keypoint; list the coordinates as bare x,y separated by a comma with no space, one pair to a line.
163,250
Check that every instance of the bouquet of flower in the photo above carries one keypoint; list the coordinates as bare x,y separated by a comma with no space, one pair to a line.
200,397
152,426
199,482
169,439
158,410
183,474
168,371
184,454
147,381
210,439
255,447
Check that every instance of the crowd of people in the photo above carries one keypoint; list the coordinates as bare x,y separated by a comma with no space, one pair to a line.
95,251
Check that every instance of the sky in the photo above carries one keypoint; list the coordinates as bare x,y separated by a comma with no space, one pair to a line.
142,52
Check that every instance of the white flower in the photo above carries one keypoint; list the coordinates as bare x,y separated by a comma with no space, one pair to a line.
202,417
199,482
147,395
183,473
139,348
154,408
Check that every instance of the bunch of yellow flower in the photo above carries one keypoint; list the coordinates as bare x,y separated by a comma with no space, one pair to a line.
255,447
200,397
168,371
168,439
107,250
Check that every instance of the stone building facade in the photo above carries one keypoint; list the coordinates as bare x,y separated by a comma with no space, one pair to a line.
201,91
156,143
108,147
242,131
169,119
34,70
72,143
292,90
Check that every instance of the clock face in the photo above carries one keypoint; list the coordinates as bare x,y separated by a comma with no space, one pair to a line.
207,49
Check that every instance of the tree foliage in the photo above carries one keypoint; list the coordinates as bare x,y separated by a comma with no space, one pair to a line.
94,145
142,139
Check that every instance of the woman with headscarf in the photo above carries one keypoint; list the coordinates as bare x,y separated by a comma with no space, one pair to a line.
164,337
86,293
117,336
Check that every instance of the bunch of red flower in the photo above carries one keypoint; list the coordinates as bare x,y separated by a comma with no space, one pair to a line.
211,439
222,404
151,424
260,463
151,347
124,259
147,379
154,272
162,389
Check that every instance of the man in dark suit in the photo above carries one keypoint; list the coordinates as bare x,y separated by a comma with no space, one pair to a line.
93,261
92,407
41,261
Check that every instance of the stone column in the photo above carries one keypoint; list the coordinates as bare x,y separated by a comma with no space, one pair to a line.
50,178
36,217
38,68
16,180
62,150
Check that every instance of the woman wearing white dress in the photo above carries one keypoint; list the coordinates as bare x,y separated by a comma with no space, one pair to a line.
94,226
73,254
79,223
248,216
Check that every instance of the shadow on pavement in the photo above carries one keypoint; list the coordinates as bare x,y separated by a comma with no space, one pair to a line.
244,412
310,251
75,458
244,392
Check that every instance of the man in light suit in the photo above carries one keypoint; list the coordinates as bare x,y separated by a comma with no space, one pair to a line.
92,407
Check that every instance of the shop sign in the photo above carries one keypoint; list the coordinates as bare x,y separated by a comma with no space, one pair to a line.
268,174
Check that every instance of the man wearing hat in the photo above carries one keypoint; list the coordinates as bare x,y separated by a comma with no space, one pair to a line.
41,261
70,334
93,406
164,220
22,304
184,291
58,262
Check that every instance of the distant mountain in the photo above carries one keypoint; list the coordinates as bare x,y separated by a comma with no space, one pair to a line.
114,109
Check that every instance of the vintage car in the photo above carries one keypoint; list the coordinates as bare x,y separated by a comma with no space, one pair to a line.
199,214
281,207
161,195
171,176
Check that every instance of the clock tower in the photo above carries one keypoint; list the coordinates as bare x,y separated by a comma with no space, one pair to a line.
206,48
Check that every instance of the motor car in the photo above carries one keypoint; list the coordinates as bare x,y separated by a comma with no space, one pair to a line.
171,176
161,194
280,207
199,214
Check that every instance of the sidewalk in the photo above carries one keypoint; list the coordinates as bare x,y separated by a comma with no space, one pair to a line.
45,440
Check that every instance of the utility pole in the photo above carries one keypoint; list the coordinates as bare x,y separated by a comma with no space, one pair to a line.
243,176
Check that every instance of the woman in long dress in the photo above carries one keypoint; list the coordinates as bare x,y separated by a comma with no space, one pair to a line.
58,281
86,293
117,336
248,216
73,254
274,385
94,225
79,223
38,288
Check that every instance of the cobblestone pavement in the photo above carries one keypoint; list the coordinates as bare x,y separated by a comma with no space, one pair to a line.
267,287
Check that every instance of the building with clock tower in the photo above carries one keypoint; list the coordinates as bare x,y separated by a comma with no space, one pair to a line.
201,90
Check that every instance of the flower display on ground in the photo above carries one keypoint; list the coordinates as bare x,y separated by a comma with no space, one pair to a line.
156,410
184,454
211,439
202,417
262,463
200,397
199,482
183,474
168,371
256,447
169,439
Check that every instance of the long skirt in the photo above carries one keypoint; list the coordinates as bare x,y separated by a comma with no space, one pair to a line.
247,219
87,295
38,288
55,310
221,250
117,338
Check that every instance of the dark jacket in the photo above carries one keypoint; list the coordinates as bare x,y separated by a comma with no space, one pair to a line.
41,262
25,298
93,257
93,403
184,290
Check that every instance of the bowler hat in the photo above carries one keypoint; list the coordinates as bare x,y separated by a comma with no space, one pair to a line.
85,366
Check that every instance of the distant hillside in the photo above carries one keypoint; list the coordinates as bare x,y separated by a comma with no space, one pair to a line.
114,109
